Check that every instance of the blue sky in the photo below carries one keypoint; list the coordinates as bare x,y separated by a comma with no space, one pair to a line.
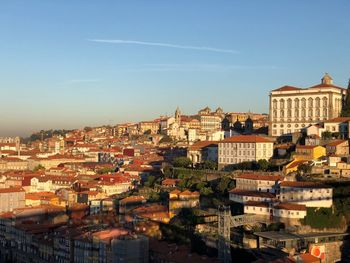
152,56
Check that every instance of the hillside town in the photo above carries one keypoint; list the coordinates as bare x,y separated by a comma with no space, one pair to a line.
214,186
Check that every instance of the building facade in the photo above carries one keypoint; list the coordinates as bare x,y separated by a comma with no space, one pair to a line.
293,108
244,148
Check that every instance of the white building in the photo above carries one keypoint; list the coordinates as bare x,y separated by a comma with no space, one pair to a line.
282,210
243,196
309,194
258,182
243,148
293,108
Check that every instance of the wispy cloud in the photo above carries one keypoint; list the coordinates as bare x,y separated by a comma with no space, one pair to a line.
168,45
197,67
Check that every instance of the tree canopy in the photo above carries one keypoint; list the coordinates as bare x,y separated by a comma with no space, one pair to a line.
346,107
182,162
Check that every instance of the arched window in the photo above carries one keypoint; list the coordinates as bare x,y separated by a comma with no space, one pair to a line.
296,103
317,112
275,114
303,103
296,113
318,104
274,104
303,114
325,113
325,102
310,102
282,103
289,113
289,103
310,113
282,113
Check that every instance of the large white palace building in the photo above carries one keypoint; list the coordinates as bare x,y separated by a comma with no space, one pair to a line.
293,108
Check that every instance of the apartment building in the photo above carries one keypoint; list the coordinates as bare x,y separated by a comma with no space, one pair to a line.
309,194
11,198
244,148
258,182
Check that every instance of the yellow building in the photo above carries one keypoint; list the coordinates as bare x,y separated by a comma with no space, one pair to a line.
309,152
43,198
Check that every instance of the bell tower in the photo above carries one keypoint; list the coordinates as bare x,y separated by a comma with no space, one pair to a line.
178,115
327,79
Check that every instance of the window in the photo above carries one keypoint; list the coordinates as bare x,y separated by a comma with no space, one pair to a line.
296,103
282,103
310,102
303,103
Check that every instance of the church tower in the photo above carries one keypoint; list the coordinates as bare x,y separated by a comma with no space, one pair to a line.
178,115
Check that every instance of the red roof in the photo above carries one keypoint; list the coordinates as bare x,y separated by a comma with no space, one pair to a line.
286,88
202,144
323,85
246,138
11,190
303,184
252,193
339,119
258,204
261,177
289,206
307,147
336,142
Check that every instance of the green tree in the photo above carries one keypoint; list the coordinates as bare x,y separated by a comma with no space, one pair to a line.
166,139
167,171
150,181
346,107
263,165
210,165
106,170
183,162
225,184
39,167
206,191
304,168
326,135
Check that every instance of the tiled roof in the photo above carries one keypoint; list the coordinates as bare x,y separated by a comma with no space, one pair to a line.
258,204
286,88
290,206
252,193
246,138
323,85
338,119
303,184
260,177
336,142
11,190
201,144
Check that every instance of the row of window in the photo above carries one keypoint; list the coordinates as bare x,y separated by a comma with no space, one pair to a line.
234,152
235,160
300,113
302,102
268,210
245,145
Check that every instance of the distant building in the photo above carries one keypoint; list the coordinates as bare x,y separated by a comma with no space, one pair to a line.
203,151
293,108
11,198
